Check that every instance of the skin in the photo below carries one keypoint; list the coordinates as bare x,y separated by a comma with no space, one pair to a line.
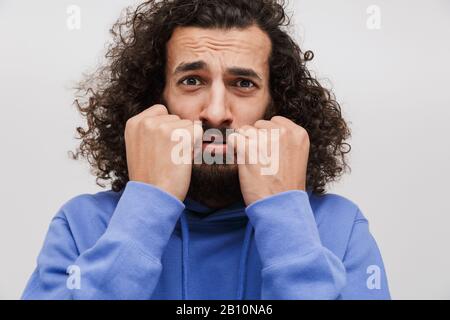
227,87
218,97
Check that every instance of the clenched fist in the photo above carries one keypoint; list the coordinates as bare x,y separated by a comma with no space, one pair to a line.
292,145
149,147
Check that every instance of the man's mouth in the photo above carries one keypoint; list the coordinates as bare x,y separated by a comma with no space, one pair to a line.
214,145
214,140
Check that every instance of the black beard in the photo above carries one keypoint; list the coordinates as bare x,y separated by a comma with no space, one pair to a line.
215,186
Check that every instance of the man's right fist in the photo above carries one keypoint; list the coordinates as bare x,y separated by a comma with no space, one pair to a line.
149,147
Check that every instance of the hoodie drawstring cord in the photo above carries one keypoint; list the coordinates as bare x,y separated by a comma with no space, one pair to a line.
185,260
242,273
243,261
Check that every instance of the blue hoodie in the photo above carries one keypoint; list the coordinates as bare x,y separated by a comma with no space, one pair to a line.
143,243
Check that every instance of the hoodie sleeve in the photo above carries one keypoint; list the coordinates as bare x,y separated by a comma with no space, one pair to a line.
295,263
366,275
125,262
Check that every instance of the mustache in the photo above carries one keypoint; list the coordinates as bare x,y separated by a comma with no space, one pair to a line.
211,133
222,130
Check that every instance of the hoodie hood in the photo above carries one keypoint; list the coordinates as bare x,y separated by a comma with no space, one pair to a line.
236,211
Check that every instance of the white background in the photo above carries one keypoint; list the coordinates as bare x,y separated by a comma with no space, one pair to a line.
392,84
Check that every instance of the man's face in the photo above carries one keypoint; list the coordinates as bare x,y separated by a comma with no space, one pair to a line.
222,79
219,77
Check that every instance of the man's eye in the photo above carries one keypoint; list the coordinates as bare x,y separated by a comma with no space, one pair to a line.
245,83
191,81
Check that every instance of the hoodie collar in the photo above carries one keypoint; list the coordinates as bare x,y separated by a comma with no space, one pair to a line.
234,210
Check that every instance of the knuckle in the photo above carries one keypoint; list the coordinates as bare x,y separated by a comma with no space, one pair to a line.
130,123
284,131
186,122
164,128
302,132
277,118
307,138
260,123
302,136
246,129
160,108
148,124
174,117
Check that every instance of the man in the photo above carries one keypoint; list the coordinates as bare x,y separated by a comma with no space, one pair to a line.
170,229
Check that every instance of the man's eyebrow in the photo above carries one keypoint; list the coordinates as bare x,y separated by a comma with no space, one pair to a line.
202,65
243,72
190,66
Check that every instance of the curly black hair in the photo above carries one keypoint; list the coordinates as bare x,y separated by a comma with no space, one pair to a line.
133,78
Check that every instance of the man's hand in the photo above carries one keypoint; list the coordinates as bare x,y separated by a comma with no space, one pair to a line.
149,146
294,145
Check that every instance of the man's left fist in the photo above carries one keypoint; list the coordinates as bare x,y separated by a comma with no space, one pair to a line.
281,150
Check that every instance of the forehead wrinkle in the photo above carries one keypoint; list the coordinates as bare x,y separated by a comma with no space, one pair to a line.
232,46
228,50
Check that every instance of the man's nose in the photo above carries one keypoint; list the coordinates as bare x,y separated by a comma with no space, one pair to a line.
216,113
